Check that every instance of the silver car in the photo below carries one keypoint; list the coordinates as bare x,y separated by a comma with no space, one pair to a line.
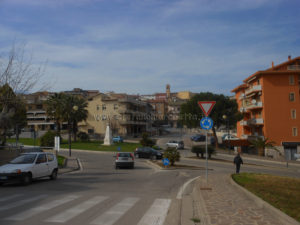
124,159
175,144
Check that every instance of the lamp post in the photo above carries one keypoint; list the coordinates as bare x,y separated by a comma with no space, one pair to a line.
74,108
227,126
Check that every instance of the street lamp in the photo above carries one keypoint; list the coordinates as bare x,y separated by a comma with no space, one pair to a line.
74,108
227,126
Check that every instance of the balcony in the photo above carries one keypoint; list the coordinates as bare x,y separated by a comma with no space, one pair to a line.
255,88
243,123
254,105
256,121
242,96
131,122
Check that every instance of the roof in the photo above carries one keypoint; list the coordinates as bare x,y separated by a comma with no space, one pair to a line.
242,86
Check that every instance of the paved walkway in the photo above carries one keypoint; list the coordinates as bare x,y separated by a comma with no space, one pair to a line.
71,165
226,204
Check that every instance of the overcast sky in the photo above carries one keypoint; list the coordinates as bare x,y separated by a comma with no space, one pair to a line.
139,46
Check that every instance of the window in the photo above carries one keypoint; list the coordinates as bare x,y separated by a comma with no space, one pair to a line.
293,113
292,97
295,131
103,107
50,157
258,82
98,107
41,158
291,80
90,131
115,106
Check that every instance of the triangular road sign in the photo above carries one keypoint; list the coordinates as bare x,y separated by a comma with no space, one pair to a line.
206,106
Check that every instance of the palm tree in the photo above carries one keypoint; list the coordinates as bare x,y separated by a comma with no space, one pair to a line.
261,144
55,109
74,112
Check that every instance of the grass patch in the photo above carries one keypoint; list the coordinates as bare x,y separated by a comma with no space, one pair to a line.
25,141
196,220
281,192
91,145
61,160
177,166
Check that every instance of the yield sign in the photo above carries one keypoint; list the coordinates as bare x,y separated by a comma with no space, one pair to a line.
206,106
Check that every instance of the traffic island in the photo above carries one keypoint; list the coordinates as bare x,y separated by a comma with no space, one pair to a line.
159,165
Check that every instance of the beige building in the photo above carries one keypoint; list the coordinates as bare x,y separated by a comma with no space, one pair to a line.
125,115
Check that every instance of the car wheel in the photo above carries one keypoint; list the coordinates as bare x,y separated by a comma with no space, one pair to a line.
27,179
53,175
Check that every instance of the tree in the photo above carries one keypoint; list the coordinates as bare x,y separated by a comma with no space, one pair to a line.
13,113
200,149
146,141
55,109
191,114
173,155
261,144
17,76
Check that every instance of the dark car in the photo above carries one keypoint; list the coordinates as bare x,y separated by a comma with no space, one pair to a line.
198,138
148,153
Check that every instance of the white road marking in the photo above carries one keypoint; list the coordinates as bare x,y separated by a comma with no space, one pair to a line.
75,211
116,212
157,213
183,187
44,207
2,199
21,202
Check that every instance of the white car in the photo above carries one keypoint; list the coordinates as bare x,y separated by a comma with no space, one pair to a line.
175,144
29,166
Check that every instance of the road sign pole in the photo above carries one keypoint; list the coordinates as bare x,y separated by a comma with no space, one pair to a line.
206,170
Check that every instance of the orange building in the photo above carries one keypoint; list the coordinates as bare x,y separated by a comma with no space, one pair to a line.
270,103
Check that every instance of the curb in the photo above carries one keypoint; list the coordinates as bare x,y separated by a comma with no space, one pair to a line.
283,218
69,170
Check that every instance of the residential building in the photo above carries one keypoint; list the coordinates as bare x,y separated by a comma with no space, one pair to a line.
36,111
82,93
270,103
124,114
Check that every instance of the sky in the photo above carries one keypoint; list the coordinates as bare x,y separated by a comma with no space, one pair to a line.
139,46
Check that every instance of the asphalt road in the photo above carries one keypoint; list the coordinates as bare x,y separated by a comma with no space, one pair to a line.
99,194
102,195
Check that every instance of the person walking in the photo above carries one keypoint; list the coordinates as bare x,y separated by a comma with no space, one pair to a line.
238,161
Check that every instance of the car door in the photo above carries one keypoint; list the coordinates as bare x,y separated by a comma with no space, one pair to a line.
52,162
41,166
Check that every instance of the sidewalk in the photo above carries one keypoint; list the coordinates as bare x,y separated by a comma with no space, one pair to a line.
72,164
220,202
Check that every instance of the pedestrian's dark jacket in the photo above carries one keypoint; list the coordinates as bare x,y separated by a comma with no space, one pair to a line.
238,160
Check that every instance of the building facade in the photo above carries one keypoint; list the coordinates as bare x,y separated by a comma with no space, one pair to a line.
125,115
270,103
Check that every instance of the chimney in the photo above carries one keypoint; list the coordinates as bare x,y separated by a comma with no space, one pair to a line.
272,64
289,57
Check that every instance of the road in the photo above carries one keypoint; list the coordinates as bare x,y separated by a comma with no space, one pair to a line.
97,195
102,195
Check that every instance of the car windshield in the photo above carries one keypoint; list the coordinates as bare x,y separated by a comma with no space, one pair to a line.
124,154
24,159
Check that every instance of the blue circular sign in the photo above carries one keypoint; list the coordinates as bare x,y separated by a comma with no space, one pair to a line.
206,123
119,148
166,161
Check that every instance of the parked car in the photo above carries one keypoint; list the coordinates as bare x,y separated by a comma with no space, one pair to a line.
148,153
175,144
229,137
124,159
198,138
117,139
29,166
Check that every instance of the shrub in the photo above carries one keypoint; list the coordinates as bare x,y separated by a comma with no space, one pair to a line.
47,139
173,155
84,137
200,149
146,141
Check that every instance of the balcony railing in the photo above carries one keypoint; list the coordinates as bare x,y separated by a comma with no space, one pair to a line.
254,88
254,105
243,123
256,121
293,67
